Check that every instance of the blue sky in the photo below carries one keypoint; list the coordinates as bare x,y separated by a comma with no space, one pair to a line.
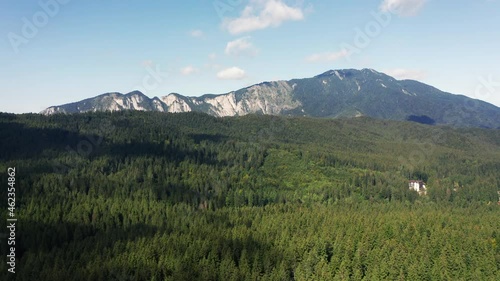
58,51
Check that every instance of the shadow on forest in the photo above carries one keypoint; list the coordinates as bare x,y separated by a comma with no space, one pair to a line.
77,244
174,154
198,138
42,150
21,142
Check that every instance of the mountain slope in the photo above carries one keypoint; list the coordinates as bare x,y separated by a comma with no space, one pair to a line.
335,93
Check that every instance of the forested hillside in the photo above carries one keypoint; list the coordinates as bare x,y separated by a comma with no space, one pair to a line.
154,196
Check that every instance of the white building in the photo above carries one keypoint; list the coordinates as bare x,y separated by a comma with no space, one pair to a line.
418,186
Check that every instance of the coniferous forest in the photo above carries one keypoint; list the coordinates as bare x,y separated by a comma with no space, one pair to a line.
154,196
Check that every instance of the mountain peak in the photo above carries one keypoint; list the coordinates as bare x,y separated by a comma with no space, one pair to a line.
370,70
340,73
135,93
332,94
347,73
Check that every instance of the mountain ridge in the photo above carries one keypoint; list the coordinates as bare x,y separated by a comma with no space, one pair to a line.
331,94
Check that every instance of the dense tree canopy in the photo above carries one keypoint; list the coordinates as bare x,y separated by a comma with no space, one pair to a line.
151,196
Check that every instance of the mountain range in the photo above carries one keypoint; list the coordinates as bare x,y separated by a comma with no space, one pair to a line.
333,94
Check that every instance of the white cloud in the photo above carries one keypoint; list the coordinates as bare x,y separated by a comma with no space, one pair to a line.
325,57
232,73
212,56
188,70
261,14
401,74
402,8
196,33
241,46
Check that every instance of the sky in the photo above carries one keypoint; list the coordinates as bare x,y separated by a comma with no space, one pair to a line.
54,52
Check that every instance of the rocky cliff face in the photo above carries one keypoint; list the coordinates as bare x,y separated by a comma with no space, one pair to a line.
272,98
267,98
335,93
